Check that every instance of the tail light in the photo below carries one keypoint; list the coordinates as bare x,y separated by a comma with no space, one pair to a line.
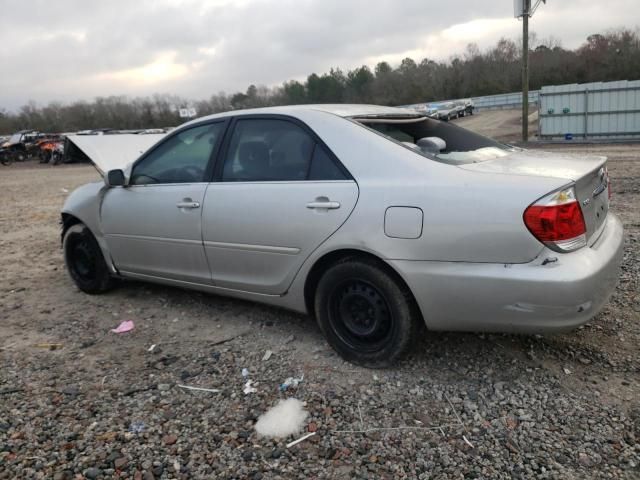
608,178
556,220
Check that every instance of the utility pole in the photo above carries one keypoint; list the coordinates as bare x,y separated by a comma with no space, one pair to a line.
525,70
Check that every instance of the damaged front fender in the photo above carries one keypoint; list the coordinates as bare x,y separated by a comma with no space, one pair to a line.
84,205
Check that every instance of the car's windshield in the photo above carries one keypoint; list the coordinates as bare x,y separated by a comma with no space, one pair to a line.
439,140
15,138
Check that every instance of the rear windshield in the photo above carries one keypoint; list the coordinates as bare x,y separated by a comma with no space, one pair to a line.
437,140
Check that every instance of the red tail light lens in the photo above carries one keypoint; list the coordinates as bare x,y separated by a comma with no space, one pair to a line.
557,221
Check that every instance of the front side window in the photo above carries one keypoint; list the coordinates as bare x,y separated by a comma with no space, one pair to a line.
183,158
276,150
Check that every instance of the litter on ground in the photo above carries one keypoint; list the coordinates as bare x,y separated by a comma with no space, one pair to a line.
301,439
49,346
248,388
200,389
291,382
124,327
286,418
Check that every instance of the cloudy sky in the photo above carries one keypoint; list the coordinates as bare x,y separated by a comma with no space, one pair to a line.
65,50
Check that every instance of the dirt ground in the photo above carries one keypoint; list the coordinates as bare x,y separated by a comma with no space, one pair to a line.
503,125
572,405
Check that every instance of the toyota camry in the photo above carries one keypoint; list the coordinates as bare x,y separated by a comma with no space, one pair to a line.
376,221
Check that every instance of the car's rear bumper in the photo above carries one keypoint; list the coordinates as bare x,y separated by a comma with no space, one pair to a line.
531,297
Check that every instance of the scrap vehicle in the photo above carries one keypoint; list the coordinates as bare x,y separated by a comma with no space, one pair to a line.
19,147
57,154
377,221
49,148
99,131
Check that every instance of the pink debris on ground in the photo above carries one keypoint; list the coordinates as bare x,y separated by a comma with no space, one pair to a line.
125,326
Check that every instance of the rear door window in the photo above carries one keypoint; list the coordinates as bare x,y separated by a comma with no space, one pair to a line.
323,167
263,150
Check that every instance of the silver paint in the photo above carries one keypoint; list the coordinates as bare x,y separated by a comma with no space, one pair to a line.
475,265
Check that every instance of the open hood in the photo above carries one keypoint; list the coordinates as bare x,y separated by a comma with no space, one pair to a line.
109,152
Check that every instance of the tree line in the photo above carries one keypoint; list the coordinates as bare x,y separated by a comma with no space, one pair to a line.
614,55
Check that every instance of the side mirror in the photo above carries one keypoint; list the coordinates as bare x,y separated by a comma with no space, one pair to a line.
432,144
115,178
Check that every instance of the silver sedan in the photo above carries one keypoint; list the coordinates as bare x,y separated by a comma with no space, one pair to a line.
377,221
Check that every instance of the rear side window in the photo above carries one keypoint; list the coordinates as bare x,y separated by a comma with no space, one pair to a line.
275,150
323,167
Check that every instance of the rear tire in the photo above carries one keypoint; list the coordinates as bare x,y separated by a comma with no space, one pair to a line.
366,315
84,260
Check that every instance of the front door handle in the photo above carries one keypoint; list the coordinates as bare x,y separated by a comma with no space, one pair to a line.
188,204
323,205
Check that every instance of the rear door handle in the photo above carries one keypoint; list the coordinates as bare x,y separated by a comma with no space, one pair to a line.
327,205
188,205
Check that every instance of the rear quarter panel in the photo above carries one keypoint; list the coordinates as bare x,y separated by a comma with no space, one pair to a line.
468,216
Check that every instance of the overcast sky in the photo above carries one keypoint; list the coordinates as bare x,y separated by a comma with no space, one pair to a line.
65,50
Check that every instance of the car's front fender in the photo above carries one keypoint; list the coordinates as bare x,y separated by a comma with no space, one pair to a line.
84,203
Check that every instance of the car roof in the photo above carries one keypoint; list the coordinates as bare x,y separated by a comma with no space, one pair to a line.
342,110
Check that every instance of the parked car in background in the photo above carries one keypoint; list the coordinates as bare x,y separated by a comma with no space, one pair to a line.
448,111
431,110
377,221
460,108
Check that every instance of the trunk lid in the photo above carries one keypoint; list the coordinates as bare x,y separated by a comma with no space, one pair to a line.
588,172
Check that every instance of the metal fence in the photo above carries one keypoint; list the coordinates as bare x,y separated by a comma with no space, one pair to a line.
590,111
489,102
504,100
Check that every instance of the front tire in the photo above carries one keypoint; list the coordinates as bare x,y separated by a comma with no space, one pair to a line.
366,315
6,159
84,260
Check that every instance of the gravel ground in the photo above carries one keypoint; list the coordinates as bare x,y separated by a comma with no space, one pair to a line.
503,125
460,406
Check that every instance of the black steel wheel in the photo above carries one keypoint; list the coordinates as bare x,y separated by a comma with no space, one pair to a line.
367,315
85,261
360,315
